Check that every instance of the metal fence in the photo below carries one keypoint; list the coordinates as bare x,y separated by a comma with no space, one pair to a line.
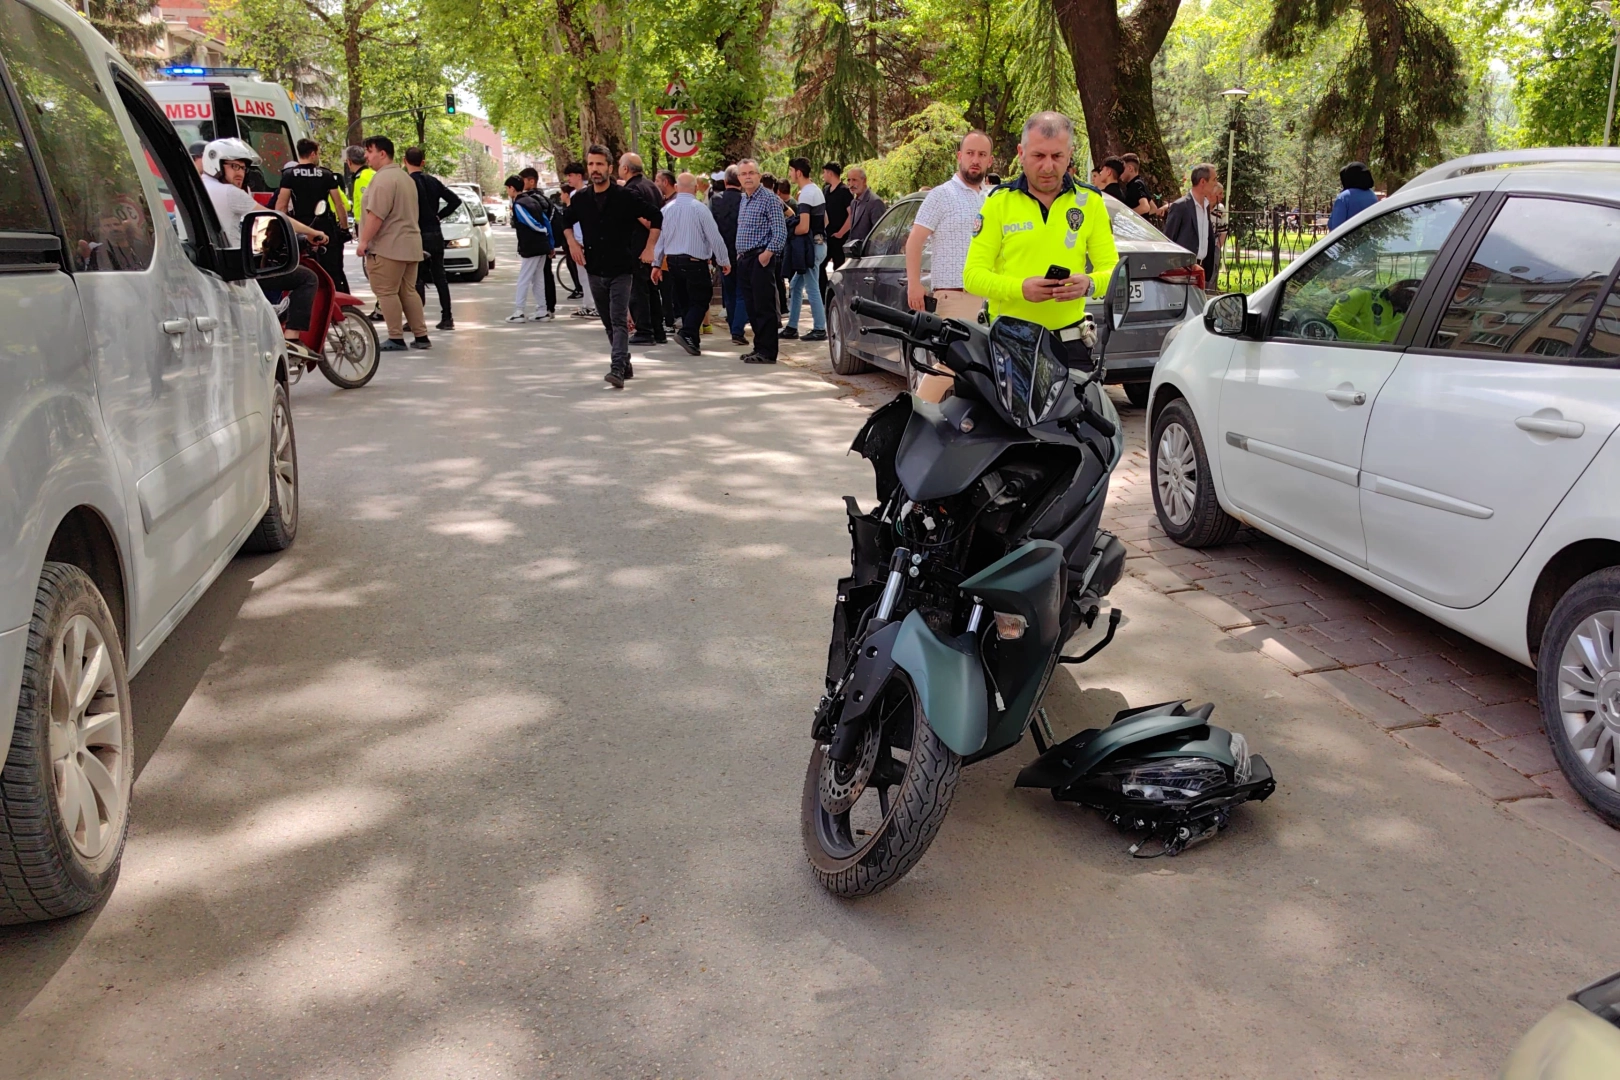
1259,243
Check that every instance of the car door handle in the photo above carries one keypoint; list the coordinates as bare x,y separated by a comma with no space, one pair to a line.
1546,425
205,323
1347,397
174,326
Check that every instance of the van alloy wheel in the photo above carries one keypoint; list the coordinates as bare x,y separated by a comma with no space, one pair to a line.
87,740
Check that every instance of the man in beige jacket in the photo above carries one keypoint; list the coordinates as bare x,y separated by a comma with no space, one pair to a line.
391,245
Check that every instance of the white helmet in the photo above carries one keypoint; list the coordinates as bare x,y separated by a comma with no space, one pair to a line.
223,150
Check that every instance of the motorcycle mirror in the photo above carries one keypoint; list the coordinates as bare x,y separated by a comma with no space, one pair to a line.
1118,301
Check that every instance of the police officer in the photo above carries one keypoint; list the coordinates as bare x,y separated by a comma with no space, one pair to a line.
1044,221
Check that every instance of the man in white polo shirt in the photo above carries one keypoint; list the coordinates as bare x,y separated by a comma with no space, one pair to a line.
946,217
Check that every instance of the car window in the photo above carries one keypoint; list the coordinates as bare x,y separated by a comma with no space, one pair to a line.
22,200
888,236
1127,224
98,190
1603,341
181,209
1530,286
1358,288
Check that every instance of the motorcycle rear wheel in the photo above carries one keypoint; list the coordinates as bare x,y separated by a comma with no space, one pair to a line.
879,839
351,354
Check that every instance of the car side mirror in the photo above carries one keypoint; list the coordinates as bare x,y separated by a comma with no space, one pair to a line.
1227,315
269,245
1117,304
852,248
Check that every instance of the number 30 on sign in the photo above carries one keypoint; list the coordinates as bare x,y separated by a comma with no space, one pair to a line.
680,137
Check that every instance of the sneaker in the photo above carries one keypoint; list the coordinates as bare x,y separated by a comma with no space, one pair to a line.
393,344
421,343
543,316
446,323
738,339
300,352
517,316
755,358
376,316
688,344
577,294
614,380
788,333
586,313
815,335
642,339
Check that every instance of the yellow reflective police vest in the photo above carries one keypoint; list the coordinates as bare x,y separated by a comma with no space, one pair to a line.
1015,237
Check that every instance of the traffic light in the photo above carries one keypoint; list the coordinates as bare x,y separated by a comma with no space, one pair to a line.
450,104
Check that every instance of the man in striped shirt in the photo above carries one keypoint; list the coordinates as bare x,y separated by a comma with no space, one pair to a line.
761,236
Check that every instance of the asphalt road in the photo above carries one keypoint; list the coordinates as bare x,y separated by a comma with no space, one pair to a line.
496,773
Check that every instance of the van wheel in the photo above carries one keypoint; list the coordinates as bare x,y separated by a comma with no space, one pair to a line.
64,792
279,526
1183,493
1578,685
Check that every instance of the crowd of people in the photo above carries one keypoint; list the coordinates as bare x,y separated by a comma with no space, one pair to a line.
642,253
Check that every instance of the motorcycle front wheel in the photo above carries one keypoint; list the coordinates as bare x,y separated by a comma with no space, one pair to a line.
878,838
351,354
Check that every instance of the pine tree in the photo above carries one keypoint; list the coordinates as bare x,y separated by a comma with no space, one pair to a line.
128,24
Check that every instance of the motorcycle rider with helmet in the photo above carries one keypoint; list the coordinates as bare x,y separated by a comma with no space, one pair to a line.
225,163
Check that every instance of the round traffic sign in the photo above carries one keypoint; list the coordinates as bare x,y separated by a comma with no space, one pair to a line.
679,137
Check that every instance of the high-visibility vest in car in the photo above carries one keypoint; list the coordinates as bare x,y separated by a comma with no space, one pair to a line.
1015,237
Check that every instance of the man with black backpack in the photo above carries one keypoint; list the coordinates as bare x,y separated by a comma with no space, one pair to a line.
531,219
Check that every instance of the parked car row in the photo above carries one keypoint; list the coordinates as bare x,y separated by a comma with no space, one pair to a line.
1426,400
146,430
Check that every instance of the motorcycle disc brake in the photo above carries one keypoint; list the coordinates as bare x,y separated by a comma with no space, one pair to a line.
841,785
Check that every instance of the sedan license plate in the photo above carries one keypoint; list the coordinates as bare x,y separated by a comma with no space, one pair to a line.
1136,292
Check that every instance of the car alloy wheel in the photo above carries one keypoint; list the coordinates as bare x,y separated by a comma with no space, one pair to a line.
1589,696
1177,474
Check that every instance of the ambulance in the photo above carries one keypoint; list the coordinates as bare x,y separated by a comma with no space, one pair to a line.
205,104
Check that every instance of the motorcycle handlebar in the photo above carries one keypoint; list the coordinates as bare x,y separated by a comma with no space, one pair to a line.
921,324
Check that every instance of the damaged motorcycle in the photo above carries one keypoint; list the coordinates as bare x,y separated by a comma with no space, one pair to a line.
983,556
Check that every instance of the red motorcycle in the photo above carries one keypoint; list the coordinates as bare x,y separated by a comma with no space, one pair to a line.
339,333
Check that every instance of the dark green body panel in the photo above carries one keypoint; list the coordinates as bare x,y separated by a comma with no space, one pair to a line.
1027,581
949,680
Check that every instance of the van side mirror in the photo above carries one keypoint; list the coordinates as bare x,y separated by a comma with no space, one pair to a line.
269,245
852,248
1227,315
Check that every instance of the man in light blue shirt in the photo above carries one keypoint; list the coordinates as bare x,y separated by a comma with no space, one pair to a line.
689,241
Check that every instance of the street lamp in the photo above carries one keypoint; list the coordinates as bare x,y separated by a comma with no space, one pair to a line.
1605,7
1234,96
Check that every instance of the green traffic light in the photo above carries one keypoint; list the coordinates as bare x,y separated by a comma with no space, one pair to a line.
450,104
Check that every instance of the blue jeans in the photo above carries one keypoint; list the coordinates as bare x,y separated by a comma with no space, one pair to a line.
808,281
731,298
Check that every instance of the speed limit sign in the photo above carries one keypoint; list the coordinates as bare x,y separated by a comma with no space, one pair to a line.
679,136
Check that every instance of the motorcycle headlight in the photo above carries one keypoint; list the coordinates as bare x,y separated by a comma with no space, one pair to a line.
460,242
1170,779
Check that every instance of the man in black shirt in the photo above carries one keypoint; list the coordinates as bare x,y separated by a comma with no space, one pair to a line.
725,205
839,198
1108,178
617,247
313,195
1137,195
434,203
645,302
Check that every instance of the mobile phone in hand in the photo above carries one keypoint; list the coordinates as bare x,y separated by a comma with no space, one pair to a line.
1057,273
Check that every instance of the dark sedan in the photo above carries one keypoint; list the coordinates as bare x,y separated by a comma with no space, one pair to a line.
1166,288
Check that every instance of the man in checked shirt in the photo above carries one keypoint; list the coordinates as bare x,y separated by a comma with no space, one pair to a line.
761,236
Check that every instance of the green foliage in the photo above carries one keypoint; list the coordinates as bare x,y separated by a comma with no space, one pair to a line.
1562,75
927,156
128,24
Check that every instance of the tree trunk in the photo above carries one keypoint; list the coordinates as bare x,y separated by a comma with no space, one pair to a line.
353,74
600,120
1113,73
560,143
735,125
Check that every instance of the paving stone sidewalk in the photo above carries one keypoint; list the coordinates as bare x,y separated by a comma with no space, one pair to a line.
1469,708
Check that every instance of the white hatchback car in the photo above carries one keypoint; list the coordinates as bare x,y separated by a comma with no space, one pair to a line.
1427,401
145,434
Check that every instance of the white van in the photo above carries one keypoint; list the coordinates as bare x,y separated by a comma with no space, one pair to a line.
205,104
